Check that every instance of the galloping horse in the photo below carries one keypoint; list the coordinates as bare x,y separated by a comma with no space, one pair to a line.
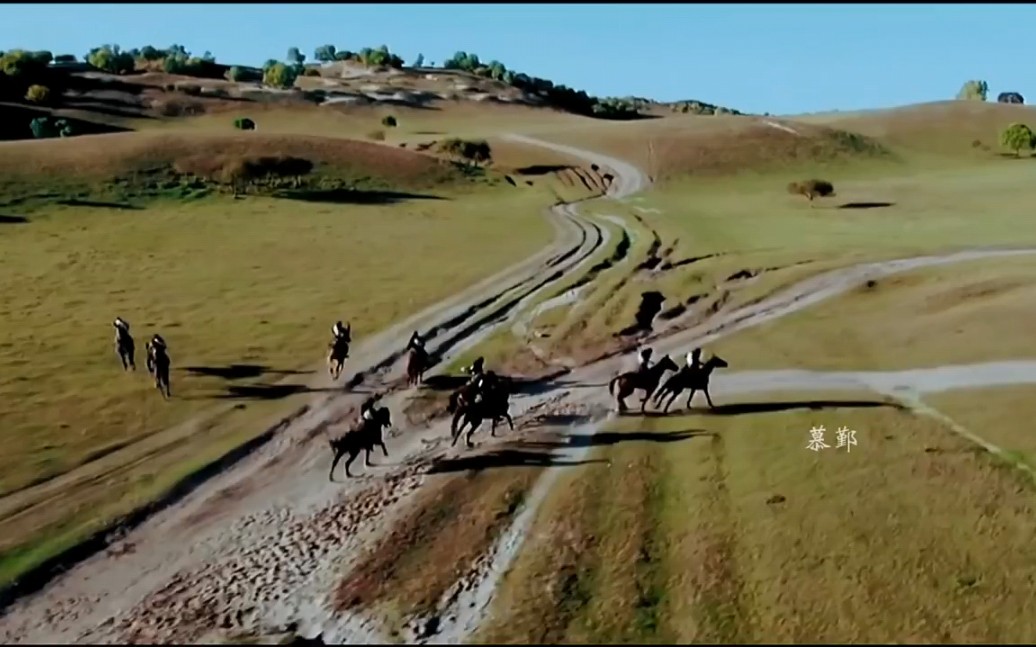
124,346
493,406
339,353
688,378
647,382
364,437
416,365
158,365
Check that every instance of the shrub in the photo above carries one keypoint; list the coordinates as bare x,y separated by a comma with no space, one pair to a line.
1016,137
812,189
973,91
310,71
191,90
21,64
471,152
279,75
244,123
65,58
111,59
47,127
324,53
1010,97
388,121
376,135
38,94
243,75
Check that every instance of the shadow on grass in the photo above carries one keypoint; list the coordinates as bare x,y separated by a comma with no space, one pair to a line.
76,202
541,453
13,220
263,392
350,196
866,205
542,169
239,371
748,408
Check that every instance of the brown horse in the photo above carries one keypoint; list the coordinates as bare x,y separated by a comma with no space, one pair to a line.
416,365
493,406
647,382
339,352
688,378
361,438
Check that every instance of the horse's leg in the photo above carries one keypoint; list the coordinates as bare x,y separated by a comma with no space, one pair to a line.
647,396
708,398
672,398
455,430
367,457
492,427
334,464
510,423
691,397
353,454
384,449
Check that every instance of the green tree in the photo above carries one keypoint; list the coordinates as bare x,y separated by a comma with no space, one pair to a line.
295,57
973,91
111,59
1017,137
19,63
419,61
388,121
280,76
150,53
65,58
38,94
324,53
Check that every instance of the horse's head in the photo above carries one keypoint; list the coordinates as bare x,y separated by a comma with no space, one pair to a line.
717,362
348,336
383,416
666,364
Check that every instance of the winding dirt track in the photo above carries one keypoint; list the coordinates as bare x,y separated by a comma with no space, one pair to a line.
263,544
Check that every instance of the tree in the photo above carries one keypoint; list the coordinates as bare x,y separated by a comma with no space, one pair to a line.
43,57
388,121
973,91
295,57
280,76
65,58
111,59
419,61
1016,137
344,55
46,128
244,123
1010,97
19,63
38,94
324,53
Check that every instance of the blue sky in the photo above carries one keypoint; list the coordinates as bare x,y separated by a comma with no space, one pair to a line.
759,58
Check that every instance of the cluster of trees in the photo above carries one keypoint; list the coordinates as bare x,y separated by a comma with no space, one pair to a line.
174,59
977,90
1018,137
48,127
373,57
560,96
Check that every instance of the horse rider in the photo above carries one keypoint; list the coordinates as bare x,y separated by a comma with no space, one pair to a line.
644,361
694,359
339,331
367,408
477,384
153,347
417,343
121,325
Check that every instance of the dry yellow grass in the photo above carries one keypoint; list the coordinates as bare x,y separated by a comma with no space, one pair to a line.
742,534
1000,415
977,311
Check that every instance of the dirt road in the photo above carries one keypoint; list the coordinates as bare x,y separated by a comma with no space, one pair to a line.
260,548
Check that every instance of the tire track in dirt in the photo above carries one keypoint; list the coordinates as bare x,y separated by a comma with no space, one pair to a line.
78,609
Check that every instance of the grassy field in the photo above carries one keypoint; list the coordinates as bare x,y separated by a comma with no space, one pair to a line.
242,289
964,313
725,528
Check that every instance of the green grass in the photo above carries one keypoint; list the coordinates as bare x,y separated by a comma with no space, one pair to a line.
251,281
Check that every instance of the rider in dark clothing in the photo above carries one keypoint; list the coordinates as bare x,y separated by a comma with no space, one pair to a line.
367,408
416,342
644,361
694,359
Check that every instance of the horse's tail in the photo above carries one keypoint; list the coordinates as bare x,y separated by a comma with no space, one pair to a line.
611,385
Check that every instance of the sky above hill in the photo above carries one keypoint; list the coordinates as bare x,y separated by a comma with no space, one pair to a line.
782,59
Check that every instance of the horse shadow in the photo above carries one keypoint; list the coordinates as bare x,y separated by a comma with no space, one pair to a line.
232,372
749,408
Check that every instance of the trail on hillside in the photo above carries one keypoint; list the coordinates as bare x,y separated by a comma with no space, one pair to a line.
261,547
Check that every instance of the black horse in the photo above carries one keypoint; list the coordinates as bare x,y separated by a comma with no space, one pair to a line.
695,379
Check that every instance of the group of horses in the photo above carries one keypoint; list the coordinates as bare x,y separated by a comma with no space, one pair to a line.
689,378
158,361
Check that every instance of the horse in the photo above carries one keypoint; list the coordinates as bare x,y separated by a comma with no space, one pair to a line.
416,365
646,381
125,348
694,379
339,353
158,365
494,406
364,437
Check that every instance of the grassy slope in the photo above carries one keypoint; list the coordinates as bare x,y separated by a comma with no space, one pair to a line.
725,528
279,270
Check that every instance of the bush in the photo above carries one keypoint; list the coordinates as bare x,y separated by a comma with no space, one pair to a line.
324,53
388,121
812,189
310,71
111,59
23,65
1010,97
47,127
279,75
1016,137
376,135
244,123
243,75
973,91
65,58
472,152
38,94
191,90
